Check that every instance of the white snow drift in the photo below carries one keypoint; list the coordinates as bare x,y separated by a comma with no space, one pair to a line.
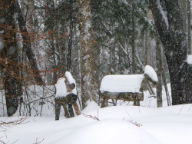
116,125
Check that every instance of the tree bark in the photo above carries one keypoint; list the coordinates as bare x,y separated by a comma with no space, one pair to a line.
147,49
159,74
87,50
27,45
164,63
70,41
189,25
171,32
133,39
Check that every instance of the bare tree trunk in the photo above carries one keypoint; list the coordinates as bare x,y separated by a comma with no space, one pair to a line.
147,48
27,45
87,49
133,39
9,57
164,78
148,52
172,35
166,87
183,9
70,42
159,74
189,25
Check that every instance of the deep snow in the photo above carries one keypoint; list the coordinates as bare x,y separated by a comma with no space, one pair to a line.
116,125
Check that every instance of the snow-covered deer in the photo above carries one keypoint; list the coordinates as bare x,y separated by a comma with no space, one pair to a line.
66,95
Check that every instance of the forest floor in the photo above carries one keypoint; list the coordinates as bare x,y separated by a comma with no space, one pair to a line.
111,125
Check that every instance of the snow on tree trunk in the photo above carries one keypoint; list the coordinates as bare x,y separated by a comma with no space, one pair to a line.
169,24
87,62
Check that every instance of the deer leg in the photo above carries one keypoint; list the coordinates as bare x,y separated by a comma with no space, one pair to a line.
106,102
76,108
114,102
57,110
66,111
103,103
70,108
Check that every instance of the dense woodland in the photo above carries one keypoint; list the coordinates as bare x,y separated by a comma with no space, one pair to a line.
41,39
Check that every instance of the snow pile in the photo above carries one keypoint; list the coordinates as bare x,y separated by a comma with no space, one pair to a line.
61,89
71,80
149,71
121,83
189,59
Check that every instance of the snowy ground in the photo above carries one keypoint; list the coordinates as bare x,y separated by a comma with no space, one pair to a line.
115,125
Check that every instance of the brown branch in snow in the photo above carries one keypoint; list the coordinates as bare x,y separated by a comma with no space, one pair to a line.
90,116
38,142
135,123
15,122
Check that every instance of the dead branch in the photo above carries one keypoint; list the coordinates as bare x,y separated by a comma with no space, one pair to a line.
15,122
135,123
38,141
91,117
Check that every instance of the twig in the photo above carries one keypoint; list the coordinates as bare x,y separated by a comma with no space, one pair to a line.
15,122
38,142
90,116
135,123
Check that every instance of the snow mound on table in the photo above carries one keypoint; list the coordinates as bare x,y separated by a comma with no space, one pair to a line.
121,83
149,71
111,132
